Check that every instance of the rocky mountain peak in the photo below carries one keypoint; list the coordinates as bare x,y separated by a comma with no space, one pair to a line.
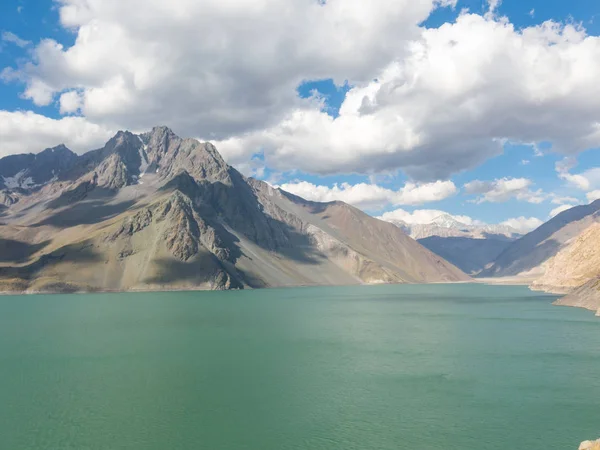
31,171
447,221
59,150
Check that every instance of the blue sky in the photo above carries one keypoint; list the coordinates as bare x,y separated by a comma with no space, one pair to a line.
256,104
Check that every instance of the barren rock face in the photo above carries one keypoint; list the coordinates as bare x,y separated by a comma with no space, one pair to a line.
8,199
576,264
586,296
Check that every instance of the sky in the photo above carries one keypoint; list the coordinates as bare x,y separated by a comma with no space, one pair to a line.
407,109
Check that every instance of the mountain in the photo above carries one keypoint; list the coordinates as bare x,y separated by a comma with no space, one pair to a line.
28,171
471,255
155,211
447,226
526,256
575,270
469,247
561,256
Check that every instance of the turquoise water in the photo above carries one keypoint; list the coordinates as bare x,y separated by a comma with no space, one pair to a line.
437,367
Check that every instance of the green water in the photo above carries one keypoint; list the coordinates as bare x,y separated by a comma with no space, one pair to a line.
438,367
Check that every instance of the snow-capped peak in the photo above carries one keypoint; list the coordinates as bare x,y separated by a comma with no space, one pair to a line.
447,221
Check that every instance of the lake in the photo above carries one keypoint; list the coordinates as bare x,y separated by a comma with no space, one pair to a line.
436,367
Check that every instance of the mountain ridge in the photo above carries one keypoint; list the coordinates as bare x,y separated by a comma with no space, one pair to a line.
155,211
471,248
528,253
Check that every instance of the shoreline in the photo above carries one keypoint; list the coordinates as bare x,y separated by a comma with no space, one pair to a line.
507,282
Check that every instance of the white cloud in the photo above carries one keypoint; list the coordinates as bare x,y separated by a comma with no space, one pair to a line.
70,102
503,189
451,103
372,196
537,151
585,181
561,200
493,6
556,211
563,169
7,36
215,66
593,196
24,132
424,216
443,100
523,224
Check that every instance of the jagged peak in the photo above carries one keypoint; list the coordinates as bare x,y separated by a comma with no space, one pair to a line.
163,129
60,148
160,132
122,135
60,151
447,221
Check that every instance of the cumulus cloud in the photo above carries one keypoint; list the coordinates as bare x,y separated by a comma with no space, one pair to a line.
523,224
504,189
24,132
215,68
372,196
431,102
463,90
556,211
424,217
70,102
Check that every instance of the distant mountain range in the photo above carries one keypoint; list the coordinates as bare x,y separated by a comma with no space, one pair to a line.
447,226
155,211
561,256
470,247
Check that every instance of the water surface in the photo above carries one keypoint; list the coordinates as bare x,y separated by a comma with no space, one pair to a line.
437,367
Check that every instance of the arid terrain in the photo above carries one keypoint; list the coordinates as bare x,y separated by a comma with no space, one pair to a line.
155,211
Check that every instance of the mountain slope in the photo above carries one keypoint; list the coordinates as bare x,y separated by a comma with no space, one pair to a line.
575,264
383,244
155,211
586,296
471,255
526,255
